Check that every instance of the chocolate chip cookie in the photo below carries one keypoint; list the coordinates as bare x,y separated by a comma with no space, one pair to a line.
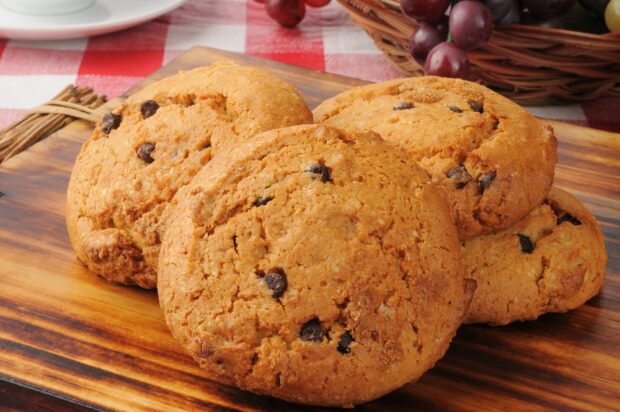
142,152
314,267
494,160
551,261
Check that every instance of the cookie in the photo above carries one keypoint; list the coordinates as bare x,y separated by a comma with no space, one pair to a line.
313,267
142,152
551,261
494,160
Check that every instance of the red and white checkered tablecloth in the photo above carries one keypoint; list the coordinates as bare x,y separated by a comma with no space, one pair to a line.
31,72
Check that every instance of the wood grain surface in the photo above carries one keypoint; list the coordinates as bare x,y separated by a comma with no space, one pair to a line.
71,341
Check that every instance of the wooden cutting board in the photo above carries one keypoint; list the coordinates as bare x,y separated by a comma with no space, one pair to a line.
71,341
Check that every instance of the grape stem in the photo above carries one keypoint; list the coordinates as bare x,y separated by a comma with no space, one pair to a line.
452,3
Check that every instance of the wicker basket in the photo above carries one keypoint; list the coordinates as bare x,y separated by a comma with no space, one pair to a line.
529,64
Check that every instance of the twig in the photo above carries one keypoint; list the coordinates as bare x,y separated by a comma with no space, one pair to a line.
70,104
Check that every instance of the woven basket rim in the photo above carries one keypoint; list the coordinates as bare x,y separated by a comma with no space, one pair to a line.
531,64
556,31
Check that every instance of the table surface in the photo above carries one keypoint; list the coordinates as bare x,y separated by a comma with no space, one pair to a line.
32,72
70,341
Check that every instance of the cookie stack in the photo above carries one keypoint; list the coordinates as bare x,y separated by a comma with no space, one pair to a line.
531,248
125,179
329,263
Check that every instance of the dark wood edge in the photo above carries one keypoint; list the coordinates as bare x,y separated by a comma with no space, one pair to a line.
20,396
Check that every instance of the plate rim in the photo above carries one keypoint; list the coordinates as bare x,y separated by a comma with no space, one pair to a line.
21,32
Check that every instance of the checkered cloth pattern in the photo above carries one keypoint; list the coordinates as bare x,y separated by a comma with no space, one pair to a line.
31,72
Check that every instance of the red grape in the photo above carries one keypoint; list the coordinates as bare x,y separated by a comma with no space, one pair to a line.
447,60
514,15
288,13
471,24
317,3
423,40
424,10
576,19
499,8
442,26
546,9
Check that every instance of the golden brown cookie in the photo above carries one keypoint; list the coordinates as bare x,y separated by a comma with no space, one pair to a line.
145,150
551,261
493,158
313,267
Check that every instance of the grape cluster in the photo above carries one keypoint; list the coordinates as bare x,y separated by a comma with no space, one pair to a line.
289,13
450,28
469,26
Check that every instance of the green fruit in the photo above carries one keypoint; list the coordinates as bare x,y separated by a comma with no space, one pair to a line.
595,6
612,15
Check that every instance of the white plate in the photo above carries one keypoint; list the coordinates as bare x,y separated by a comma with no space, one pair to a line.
102,17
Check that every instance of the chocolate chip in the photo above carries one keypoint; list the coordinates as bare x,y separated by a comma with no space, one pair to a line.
344,342
526,243
321,169
455,109
148,108
567,217
276,281
235,244
404,106
205,351
475,106
145,150
485,180
110,122
262,201
311,331
2,194
460,176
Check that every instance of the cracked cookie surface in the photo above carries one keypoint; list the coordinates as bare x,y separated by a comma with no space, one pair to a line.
313,267
553,260
140,154
494,160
